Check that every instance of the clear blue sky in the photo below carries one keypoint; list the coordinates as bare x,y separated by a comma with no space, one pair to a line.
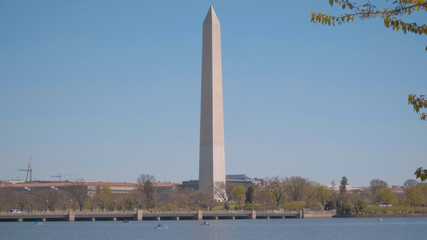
106,90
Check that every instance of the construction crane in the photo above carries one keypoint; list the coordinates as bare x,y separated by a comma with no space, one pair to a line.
29,172
59,176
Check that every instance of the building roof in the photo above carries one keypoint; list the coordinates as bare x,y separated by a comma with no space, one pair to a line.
65,184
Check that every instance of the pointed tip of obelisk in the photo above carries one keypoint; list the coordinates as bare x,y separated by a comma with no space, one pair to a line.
211,16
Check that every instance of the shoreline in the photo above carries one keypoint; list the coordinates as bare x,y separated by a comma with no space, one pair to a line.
384,216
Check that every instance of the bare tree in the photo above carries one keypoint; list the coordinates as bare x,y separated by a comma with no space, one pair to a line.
300,189
5,195
277,187
220,191
223,192
377,184
103,197
145,186
79,192
51,198
410,183
204,198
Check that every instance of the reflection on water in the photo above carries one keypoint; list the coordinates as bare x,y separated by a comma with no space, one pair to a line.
307,229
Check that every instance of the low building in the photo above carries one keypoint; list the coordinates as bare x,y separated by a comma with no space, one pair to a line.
116,187
240,179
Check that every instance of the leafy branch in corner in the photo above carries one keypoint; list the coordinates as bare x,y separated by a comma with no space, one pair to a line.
421,173
418,103
391,16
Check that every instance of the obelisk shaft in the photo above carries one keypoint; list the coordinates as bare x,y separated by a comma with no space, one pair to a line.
212,156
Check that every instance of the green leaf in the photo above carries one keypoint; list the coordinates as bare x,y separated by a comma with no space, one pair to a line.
387,22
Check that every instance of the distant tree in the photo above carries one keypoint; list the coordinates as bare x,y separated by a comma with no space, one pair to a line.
4,198
342,200
359,206
128,203
277,187
292,205
385,195
376,184
238,194
223,193
145,182
343,184
410,183
51,197
134,199
144,178
357,202
249,195
79,192
423,188
344,209
414,196
322,195
103,197
150,195
203,198
265,198
343,205
332,204
299,188
19,199
367,10
220,192
179,198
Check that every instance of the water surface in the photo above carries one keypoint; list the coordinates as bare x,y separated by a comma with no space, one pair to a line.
294,229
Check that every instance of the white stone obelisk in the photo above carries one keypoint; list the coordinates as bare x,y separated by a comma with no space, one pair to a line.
212,155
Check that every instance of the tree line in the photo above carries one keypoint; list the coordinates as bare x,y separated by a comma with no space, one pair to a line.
287,193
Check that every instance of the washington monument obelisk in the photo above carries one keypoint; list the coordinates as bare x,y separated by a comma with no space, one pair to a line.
212,156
